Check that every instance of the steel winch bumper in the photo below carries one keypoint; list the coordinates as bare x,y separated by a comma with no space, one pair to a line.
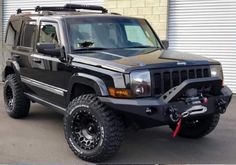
166,108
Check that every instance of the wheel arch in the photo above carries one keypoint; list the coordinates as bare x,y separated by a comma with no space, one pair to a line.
82,83
12,67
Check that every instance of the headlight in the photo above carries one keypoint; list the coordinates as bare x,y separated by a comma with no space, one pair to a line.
140,83
216,71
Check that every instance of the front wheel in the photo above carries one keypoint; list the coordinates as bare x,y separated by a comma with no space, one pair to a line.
197,128
93,132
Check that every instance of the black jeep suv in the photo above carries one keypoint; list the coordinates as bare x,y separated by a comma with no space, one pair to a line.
106,72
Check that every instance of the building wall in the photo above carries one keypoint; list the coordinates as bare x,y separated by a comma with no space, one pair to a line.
155,11
1,38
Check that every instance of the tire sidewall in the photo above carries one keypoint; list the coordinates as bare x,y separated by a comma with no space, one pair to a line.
68,131
8,83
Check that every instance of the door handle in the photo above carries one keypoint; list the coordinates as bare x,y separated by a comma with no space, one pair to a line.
36,60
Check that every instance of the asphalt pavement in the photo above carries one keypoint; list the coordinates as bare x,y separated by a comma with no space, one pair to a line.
39,139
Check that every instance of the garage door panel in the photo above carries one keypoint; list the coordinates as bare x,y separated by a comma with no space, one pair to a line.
10,6
207,28
187,2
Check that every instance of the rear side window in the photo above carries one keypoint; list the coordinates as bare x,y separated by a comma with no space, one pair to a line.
28,34
13,32
11,35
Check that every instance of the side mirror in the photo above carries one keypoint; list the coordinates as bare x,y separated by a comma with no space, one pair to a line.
49,49
165,43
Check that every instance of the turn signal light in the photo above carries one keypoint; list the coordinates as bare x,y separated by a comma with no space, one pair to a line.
125,93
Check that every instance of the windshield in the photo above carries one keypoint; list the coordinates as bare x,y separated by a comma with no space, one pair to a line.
110,33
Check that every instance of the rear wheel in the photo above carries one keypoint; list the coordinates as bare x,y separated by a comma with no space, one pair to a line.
17,105
93,132
197,128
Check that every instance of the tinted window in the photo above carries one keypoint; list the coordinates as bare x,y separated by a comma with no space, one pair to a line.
11,35
13,32
48,33
114,33
136,34
28,34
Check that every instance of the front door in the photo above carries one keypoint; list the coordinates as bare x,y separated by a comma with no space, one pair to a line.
47,73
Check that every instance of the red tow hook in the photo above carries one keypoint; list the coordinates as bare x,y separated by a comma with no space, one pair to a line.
179,123
176,131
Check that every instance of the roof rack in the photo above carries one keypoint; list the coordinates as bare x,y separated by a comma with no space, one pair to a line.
57,8
67,7
86,7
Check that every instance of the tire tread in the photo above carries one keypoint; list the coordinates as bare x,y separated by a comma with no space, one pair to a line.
21,103
112,122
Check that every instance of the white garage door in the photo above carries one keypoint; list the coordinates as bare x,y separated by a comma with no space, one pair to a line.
10,6
208,28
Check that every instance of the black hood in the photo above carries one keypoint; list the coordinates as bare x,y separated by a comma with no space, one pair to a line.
125,60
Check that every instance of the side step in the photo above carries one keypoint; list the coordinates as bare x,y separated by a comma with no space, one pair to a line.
46,103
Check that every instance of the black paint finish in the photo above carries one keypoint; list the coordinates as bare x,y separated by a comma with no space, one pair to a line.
51,80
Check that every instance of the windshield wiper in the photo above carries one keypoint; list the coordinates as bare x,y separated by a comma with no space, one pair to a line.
90,48
86,44
142,47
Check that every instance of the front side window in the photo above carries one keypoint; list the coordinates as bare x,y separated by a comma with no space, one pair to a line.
48,33
110,33
28,34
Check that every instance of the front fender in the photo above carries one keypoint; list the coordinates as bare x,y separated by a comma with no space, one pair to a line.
92,81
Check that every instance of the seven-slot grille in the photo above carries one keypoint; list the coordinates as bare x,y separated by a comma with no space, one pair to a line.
165,79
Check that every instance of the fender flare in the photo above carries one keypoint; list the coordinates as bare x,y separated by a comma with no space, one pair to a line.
12,64
92,81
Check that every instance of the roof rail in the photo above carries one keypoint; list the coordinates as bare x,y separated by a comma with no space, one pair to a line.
67,7
38,9
115,13
18,11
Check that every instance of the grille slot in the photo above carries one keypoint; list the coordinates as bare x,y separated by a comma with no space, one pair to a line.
165,79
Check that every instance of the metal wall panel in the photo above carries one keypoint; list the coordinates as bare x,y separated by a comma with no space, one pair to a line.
1,38
208,28
10,6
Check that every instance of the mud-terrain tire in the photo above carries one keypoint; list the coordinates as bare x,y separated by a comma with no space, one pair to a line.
197,128
16,104
93,132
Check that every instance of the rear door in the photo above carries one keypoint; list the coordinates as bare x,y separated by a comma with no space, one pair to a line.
24,48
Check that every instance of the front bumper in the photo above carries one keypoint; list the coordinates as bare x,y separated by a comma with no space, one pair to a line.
158,109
